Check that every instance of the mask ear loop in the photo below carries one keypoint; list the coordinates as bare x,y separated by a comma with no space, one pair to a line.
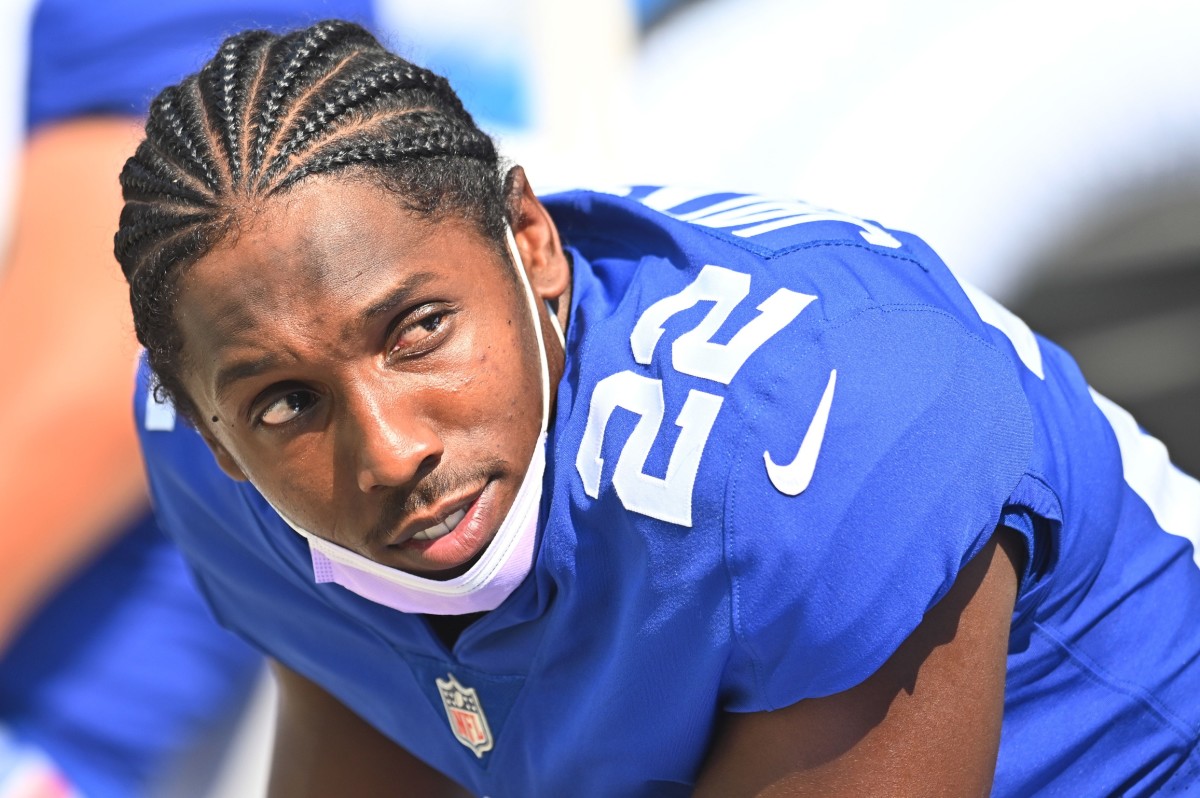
519,265
554,322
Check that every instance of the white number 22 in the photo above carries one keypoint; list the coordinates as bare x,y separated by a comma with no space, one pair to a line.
669,498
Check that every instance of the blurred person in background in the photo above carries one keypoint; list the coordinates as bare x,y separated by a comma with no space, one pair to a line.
114,680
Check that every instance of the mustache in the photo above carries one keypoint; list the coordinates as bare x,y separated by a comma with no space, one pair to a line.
438,483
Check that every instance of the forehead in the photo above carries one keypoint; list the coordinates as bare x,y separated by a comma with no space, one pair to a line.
325,231
319,257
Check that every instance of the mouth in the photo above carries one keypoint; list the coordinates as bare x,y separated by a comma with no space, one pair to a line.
435,523
441,528
446,537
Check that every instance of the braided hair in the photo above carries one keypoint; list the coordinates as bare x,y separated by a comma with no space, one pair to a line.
265,113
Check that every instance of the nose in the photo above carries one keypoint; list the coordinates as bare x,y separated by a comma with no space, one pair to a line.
392,446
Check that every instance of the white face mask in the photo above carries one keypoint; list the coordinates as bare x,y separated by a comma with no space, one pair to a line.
506,560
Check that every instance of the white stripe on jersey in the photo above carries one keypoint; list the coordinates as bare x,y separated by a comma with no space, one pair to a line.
1007,322
1173,496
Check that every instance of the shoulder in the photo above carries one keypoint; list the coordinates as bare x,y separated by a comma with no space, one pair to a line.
647,243
817,390
768,313
174,452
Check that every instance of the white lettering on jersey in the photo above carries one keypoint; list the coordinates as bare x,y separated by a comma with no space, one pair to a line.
160,416
793,478
693,352
762,214
669,498
668,197
1172,496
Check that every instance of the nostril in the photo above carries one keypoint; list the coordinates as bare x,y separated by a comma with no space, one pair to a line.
389,459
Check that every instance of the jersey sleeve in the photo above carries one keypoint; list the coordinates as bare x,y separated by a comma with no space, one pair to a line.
927,435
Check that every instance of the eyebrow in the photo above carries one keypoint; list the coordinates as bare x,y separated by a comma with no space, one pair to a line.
396,297
238,370
228,374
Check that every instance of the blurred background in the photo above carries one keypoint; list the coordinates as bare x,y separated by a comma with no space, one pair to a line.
1049,150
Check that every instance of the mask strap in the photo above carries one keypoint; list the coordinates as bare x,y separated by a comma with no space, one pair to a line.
519,265
558,330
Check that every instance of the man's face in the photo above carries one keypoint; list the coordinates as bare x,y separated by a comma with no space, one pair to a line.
374,374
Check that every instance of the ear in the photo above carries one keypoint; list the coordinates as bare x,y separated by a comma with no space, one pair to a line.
224,458
537,240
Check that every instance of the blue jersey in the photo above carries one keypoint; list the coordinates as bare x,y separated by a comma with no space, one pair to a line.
780,434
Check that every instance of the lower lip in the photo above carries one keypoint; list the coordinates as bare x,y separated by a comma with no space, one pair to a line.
456,548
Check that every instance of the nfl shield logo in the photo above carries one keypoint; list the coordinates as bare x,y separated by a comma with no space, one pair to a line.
467,720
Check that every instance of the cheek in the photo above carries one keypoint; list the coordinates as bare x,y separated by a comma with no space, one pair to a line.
499,390
495,388
513,372
299,481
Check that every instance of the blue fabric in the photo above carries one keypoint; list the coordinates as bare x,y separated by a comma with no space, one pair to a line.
119,672
114,57
659,600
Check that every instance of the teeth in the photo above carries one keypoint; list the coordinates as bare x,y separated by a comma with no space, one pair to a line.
441,529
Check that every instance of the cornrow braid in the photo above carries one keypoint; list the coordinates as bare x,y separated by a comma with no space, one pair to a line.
180,136
227,79
394,140
267,112
311,55
151,177
359,96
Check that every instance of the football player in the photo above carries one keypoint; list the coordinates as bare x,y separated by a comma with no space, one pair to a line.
643,493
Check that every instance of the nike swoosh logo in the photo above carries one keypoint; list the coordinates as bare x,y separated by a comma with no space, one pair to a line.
793,478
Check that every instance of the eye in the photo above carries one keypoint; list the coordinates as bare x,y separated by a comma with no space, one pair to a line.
286,408
415,334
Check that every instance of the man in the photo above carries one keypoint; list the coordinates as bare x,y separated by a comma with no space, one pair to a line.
785,510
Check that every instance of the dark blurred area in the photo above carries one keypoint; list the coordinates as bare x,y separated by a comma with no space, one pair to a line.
1123,296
